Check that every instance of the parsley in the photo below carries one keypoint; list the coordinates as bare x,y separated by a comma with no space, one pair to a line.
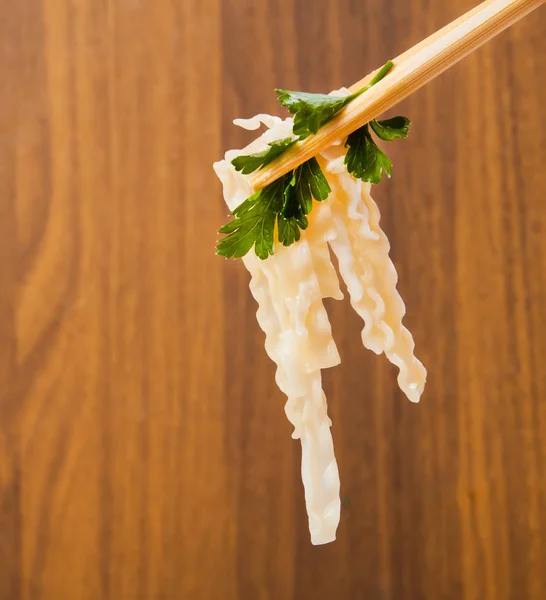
254,223
391,129
311,111
364,159
307,182
249,163
291,218
286,201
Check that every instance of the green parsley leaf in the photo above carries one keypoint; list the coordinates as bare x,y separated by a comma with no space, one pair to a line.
287,201
307,182
391,129
311,111
291,217
364,159
249,163
288,230
291,208
254,223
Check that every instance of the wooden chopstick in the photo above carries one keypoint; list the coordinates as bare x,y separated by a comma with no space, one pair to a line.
412,70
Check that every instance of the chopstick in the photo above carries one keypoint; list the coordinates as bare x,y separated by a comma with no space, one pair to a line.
412,70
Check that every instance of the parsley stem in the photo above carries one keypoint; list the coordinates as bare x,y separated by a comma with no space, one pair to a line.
382,72
377,77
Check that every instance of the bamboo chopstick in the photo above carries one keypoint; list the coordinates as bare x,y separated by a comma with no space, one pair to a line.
412,70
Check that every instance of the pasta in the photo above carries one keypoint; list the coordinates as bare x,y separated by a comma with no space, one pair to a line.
289,288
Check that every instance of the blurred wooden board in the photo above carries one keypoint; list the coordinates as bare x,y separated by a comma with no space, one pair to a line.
144,450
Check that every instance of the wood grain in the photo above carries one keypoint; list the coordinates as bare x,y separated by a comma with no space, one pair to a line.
144,451
404,75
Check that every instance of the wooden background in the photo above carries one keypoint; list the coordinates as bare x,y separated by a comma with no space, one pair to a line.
144,451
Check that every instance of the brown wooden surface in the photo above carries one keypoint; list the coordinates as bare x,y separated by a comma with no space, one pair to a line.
144,451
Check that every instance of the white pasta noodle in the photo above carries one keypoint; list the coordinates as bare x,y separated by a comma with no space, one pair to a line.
289,288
